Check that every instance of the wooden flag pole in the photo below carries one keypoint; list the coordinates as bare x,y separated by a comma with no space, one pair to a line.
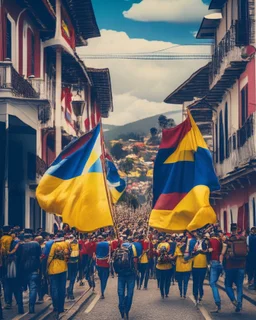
105,181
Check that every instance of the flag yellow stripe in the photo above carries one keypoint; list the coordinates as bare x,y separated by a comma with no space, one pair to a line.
192,212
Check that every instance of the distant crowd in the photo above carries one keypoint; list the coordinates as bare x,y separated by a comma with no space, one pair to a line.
43,263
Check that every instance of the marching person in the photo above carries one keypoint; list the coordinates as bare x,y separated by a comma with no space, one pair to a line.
57,269
103,255
164,267
125,265
183,266
235,251
199,267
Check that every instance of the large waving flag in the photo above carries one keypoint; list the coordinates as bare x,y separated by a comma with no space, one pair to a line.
183,178
75,187
116,184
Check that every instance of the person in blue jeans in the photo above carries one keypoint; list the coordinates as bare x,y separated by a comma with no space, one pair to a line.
215,272
216,260
235,267
126,280
29,254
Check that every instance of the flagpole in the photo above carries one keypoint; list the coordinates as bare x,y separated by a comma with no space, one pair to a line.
105,181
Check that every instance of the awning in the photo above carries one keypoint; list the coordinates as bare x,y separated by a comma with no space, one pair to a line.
196,86
101,82
217,4
208,26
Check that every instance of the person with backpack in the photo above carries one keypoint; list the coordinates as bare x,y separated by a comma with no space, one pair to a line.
164,267
251,241
183,265
72,265
199,267
103,256
29,254
57,270
125,265
235,251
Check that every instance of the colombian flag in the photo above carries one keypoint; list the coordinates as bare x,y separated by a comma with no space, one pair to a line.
74,186
116,184
183,179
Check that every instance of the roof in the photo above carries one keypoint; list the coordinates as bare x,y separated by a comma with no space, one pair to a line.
196,86
217,4
101,82
83,19
208,26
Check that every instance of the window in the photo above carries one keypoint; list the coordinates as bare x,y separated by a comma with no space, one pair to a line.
226,131
254,211
216,143
8,39
221,138
231,216
225,221
31,53
244,105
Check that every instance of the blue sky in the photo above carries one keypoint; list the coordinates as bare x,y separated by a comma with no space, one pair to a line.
140,87
109,15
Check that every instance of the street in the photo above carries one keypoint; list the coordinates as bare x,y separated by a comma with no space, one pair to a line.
147,305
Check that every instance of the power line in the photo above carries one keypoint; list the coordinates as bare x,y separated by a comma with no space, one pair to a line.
195,56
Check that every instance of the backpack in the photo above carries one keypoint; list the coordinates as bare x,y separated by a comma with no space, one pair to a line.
163,257
123,260
74,251
237,249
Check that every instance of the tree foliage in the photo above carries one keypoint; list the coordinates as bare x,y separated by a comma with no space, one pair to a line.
117,151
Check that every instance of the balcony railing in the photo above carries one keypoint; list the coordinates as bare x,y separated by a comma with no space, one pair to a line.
221,51
241,147
12,80
237,36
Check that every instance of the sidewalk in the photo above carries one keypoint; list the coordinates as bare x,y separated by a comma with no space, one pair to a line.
12,314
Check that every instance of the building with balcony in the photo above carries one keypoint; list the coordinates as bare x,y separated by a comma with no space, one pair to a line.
231,97
47,96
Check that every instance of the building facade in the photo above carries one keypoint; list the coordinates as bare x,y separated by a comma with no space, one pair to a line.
47,96
231,100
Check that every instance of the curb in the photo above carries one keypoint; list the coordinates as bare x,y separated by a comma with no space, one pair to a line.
35,316
75,308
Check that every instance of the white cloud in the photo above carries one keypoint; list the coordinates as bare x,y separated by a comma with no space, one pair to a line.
139,86
167,10
129,108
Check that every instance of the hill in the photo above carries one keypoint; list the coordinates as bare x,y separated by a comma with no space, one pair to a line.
108,127
140,127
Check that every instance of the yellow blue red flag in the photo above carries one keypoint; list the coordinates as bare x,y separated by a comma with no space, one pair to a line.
116,184
183,178
75,187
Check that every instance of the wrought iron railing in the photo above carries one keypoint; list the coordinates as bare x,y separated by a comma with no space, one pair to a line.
21,87
221,51
11,79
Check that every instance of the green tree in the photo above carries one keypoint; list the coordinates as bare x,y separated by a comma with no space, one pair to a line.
126,165
136,150
117,151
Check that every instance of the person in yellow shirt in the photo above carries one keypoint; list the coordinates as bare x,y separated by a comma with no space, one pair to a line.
183,266
199,267
164,267
57,270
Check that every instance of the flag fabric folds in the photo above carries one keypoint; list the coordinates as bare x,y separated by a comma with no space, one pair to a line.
183,178
116,184
75,187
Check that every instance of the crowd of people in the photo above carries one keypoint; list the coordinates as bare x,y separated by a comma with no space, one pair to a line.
43,263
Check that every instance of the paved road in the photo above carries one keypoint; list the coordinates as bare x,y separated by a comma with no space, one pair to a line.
147,306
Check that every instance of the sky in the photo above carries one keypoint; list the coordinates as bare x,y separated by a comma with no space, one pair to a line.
135,26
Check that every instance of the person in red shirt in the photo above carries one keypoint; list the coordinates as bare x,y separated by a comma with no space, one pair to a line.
90,249
103,254
216,260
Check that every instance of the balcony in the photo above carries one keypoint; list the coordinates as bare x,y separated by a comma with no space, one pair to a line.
226,52
12,84
241,147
